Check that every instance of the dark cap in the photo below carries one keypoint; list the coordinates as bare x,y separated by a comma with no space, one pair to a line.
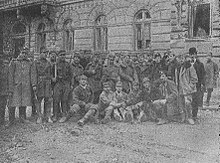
192,51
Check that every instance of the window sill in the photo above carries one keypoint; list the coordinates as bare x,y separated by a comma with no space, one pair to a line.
197,39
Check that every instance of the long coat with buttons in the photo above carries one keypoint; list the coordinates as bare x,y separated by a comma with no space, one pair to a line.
22,77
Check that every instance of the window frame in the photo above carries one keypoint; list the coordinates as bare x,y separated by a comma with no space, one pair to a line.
103,27
40,34
191,20
142,23
68,43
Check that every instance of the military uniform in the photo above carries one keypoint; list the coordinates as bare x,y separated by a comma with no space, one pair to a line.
104,102
94,72
22,77
128,76
83,97
111,73
4,88
62,88
44,89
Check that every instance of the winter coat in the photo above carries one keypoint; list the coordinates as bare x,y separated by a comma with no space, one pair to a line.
44,76
76,70
82,95
22,77
128,76
200,71
94,78
4,74
212,71
187,78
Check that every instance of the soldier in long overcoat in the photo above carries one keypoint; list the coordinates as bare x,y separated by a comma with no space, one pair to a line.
22,77
212,73
3,87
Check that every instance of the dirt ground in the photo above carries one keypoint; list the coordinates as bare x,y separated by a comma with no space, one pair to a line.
114,142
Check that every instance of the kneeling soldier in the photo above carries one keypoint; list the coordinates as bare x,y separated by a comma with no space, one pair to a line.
83,100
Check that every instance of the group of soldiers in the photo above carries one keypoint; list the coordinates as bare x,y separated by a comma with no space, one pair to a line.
126,87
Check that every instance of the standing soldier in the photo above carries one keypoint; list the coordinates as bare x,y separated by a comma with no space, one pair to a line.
211,69
77,70
62,86
94,72
43,87
111,71
128,74
3,87
22,76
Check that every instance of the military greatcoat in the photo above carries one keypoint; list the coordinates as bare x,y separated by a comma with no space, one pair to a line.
22,77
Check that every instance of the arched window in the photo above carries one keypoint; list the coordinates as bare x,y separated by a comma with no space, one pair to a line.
41,37
68,34
19,28
101,33
142,25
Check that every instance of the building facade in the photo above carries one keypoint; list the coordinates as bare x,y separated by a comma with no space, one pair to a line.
134,26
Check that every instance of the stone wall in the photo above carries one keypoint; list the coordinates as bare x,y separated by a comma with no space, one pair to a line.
169,25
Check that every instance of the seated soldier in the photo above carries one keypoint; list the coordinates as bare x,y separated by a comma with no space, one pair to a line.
83,100
146,96
168,104
117,105
133,104
105,99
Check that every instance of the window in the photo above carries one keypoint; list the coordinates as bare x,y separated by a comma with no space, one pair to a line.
101,33
19,28
68,34
142,30
41,37
200,20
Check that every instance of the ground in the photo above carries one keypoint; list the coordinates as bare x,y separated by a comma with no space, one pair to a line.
114,142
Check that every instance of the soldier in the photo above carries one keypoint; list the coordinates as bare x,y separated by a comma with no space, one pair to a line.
128,74
83,97
94,72
22,76
44,90
157,67
4,87
211,77
117,105
105,99
111,72
62,86
77,70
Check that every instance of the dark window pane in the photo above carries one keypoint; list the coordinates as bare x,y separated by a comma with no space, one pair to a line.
139,44
139,16
147,43
147,15
202,20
